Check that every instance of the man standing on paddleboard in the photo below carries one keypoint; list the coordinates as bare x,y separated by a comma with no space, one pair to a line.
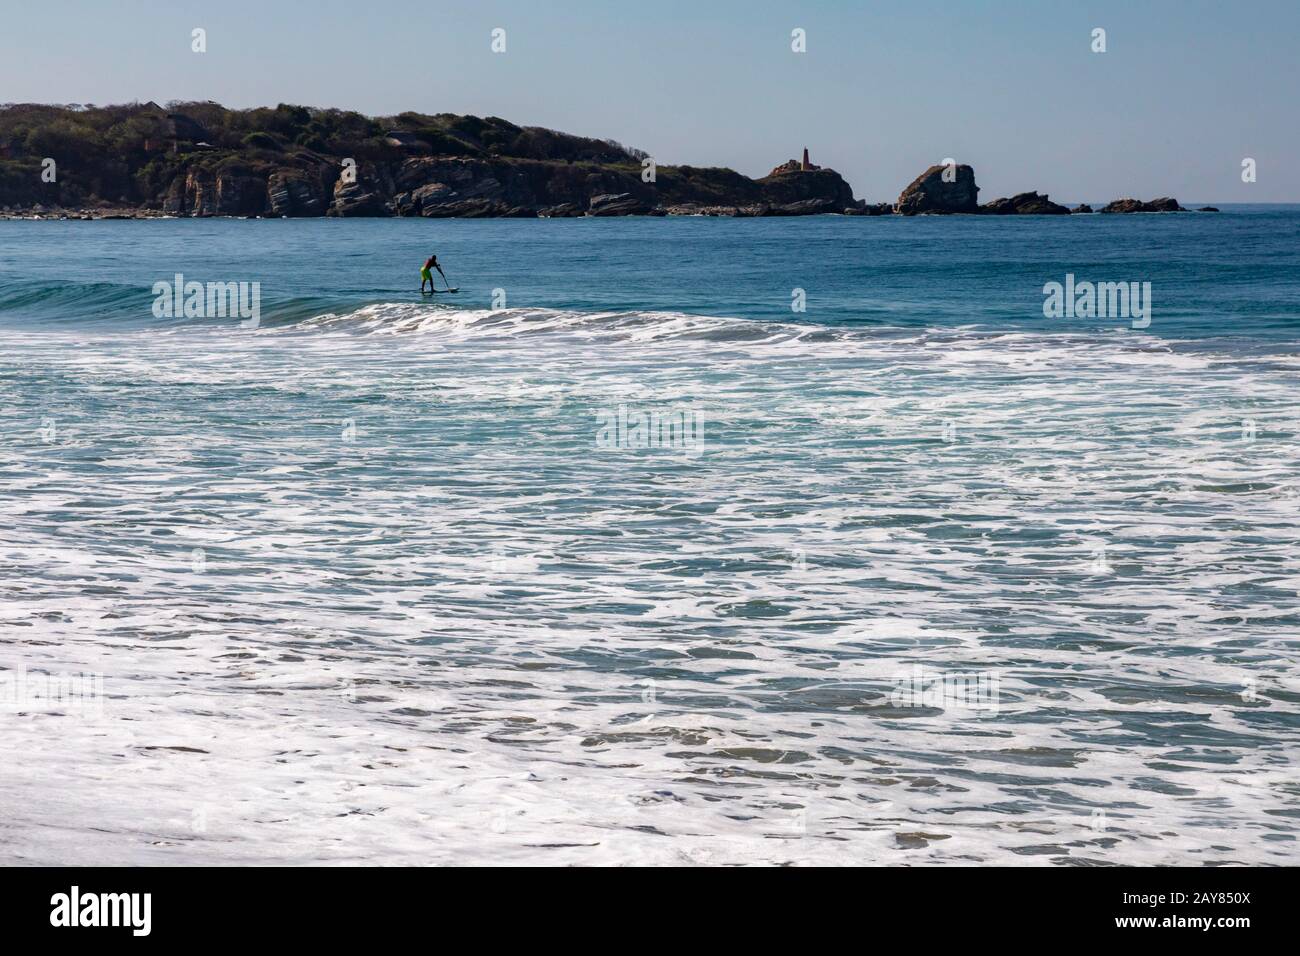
427,276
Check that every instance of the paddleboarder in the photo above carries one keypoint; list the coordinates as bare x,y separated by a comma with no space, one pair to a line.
427,276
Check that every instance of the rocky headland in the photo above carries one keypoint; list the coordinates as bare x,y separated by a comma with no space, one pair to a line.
201,159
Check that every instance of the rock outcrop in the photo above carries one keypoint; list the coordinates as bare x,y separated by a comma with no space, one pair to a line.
204,160
792,166
351,199
201,159
804,207
804,186
477,209
617,204
1082,207
1164,204
694,209
367,192
564,210
1024,204
940,189
293,192
456,186
205,193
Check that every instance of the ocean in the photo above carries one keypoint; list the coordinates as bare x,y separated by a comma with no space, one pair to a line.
664,541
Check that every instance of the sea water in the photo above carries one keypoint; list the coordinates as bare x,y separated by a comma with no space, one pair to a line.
671,540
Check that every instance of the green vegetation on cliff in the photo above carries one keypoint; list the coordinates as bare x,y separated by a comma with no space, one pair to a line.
199,158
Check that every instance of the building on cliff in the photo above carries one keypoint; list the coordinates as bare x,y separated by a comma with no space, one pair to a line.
795,166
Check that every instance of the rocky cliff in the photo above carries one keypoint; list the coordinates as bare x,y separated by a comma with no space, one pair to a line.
200,159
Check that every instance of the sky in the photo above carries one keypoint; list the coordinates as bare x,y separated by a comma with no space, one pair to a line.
1185,90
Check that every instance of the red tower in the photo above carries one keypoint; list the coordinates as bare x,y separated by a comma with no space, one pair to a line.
804,165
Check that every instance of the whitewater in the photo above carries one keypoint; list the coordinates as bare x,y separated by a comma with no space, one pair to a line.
362,587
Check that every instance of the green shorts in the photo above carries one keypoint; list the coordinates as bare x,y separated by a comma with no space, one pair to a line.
425,276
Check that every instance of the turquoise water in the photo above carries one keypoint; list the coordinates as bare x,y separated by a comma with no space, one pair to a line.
1231,274
369,582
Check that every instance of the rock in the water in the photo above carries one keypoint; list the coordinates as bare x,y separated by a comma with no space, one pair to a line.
871,209
1208,209
1082,207
564,210
694,209
617,204
1124,205
931,193
1164,204
804,207
466,209
1024,204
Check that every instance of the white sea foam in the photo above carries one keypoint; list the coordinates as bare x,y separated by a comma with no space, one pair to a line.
455,633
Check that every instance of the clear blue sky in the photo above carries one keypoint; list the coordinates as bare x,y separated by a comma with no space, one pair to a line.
1186,89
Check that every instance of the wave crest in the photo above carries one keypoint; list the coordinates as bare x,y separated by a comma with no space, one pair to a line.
396,318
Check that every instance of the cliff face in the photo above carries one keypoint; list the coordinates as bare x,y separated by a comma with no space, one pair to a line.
201,159
820,185
293,161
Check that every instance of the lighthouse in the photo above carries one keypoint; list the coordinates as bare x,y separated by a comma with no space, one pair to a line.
805,165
